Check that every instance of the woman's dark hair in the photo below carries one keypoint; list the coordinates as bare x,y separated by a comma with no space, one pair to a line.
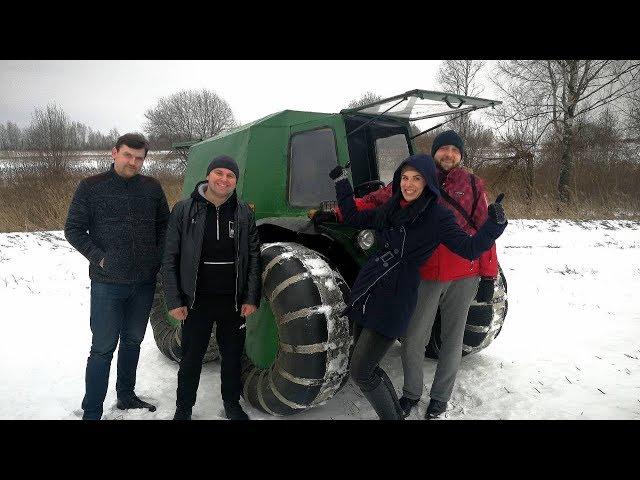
133,140
392,214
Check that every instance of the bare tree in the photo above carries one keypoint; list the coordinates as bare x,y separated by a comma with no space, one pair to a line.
601,139
519,142
11,137
633,116
631,126
365,98
461,77
112,137
478,140
189,115
49,134
558,93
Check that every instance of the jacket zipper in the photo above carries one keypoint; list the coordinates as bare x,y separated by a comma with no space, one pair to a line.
195,286
364,305
193,220
236,241
217,223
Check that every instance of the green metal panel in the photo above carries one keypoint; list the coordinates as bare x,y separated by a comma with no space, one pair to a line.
261,150
262,339
265,181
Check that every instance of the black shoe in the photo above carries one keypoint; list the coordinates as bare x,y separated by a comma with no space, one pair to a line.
407,404
234,411
435,409
182,414
132,401
89,416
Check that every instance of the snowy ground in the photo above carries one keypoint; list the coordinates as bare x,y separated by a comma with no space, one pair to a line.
569,349
87,161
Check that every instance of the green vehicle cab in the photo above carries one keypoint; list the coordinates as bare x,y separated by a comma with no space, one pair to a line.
298,344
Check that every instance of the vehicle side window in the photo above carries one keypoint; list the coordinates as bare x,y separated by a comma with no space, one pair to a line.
312,155
390,151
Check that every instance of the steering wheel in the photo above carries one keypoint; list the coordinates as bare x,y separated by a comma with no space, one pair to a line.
363,188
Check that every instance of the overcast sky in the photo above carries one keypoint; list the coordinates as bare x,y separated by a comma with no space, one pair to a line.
106,94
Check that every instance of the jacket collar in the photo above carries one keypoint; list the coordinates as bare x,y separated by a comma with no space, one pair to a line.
126,181
452,175
198,195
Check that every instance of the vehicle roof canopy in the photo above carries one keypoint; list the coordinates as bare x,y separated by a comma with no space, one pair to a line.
421,104
265,141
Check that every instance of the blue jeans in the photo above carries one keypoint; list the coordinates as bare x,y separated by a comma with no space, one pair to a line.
117,312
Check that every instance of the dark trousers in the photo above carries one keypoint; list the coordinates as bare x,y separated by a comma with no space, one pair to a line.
196,331
370,348
118,312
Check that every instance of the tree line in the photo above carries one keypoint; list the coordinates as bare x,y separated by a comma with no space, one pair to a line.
51,128
562,112
183,116
560,119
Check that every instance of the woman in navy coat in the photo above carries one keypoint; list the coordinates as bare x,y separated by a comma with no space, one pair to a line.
408,228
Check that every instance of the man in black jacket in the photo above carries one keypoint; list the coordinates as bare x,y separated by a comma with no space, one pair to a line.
211,272
118,221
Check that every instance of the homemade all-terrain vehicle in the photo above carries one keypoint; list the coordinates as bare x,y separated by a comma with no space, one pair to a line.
297,343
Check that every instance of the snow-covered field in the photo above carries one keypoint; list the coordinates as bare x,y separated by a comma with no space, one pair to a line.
85,161
569,349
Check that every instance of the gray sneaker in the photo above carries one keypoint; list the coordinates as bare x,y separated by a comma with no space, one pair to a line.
435,409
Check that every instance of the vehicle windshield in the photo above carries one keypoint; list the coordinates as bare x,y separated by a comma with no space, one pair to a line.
390,152
376,147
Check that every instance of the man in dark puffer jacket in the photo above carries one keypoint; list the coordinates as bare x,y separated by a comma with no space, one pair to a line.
211,272
118,221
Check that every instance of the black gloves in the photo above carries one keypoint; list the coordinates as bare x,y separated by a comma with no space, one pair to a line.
496,212
485,289
336,172
321,217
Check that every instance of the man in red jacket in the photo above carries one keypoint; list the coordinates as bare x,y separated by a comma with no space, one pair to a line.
448,280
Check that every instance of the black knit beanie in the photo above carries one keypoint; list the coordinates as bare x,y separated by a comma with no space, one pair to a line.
447,138
224,161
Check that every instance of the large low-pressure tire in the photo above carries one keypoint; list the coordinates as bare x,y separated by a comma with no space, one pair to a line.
167,331
484,322
303,299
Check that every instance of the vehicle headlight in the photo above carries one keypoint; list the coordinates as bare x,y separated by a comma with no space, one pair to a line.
365,239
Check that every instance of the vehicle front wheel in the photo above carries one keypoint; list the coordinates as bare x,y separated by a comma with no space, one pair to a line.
297,344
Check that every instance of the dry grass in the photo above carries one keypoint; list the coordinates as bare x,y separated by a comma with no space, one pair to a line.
37,198
599,191
34,199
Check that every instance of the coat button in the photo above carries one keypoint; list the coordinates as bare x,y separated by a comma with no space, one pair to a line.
377,259
386,245
385,264
395,250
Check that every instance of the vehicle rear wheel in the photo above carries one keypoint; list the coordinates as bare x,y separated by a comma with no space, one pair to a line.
167,331
297,344
484,322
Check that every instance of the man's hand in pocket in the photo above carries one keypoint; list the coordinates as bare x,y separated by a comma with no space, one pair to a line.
179,313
